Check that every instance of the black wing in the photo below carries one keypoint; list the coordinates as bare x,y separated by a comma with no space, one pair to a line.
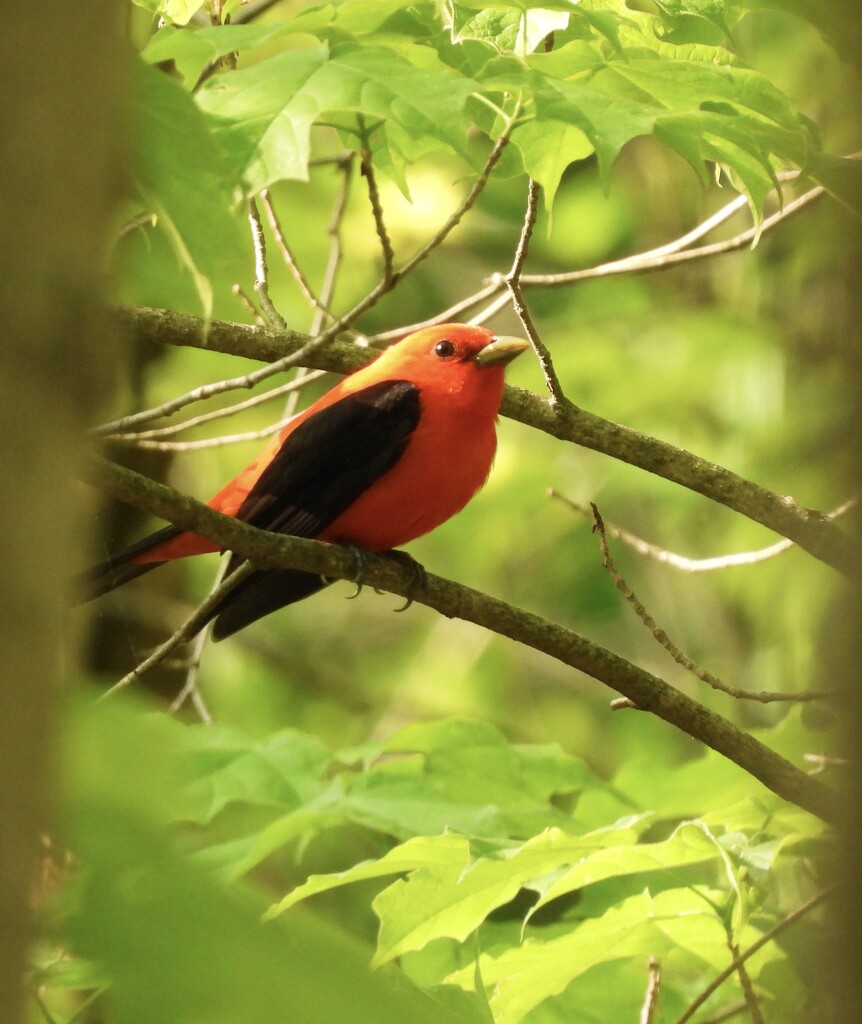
324,465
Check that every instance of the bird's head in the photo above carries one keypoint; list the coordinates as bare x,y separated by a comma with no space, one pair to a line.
455,356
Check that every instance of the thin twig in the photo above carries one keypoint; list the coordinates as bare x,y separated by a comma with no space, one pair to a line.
659,258
261,270
291,387
143,220
247,380
823,761
752,1001
466,204
452,313
190,686
188,629
203,443
43,1006
767,937
330,274
172,429
732,1011
336,244
695,565
513,282
248,305
650,1003
288,256
762,697
367,172
252,10
650,261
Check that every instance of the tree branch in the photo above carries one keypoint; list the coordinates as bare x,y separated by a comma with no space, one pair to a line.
513,282
563,420
648,692
661,637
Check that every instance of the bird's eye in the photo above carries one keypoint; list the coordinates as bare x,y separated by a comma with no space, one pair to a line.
444,349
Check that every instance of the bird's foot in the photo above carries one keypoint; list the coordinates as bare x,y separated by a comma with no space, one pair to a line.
361,555
419,577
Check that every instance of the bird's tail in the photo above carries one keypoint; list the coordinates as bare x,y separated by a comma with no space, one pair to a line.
115,571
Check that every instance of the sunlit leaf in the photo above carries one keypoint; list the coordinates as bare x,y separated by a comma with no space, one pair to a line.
262,115
191,52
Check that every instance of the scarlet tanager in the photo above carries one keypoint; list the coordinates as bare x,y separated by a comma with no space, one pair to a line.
388,454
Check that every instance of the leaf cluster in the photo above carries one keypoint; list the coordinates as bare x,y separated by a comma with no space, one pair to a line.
390,76
522,882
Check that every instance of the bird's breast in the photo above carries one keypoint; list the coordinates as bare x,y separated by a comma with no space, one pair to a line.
446,460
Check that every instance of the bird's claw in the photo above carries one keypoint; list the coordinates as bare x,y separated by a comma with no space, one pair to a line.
419,577
361,557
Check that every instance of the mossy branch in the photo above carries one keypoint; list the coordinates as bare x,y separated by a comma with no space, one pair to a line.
561,419
646,691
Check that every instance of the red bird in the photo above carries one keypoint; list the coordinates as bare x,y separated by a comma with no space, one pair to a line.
390,453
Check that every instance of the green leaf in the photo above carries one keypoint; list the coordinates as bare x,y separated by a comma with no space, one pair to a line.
705,110
838,20
695,20
841,177
607,120
452,775
180,12
447,901
525,976
263,115
345,17
191,52
468,779
508,29
689,844
114,752
419,852
180,172
225,767
164,934
711,782
159,928
547,149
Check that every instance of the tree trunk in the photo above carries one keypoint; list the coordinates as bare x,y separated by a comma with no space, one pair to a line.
59,83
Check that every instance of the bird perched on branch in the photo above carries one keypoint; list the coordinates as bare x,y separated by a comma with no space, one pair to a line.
385,456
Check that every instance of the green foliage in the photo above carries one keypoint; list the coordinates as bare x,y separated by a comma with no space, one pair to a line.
388,72
498,893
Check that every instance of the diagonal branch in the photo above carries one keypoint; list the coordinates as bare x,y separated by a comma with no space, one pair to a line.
677,252
645,690
366,169
697,565
261,269
661,637
820,538
513,282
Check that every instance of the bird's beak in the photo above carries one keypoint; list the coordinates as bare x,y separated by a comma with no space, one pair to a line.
501,350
